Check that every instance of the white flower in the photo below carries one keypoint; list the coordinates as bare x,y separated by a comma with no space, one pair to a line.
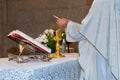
43,38
38,39
46,31
51,31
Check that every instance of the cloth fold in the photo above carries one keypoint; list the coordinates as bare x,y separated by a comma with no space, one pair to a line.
99,49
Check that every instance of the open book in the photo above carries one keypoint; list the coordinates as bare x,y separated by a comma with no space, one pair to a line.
18,36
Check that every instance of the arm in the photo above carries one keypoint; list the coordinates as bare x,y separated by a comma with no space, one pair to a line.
72,29
73,32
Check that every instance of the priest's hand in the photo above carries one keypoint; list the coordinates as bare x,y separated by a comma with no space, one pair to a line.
62,23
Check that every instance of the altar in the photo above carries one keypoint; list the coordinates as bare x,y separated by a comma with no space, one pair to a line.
67,68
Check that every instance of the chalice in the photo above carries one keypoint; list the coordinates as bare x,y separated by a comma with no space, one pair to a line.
58,38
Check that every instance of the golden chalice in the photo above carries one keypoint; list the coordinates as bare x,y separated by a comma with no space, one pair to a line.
58,38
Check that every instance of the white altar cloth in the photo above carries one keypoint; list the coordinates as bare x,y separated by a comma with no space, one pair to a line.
57,69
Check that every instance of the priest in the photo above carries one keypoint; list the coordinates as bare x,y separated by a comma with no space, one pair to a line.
99,40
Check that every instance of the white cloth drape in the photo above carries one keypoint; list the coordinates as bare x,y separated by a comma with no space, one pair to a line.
99,36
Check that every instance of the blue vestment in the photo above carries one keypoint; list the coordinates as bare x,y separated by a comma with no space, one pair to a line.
99,41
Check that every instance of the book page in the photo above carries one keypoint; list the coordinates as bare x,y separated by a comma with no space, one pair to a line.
16,34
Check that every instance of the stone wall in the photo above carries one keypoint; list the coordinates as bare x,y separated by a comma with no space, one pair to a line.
0,28
34,16
3,27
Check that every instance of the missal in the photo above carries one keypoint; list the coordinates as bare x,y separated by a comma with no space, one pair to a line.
18,36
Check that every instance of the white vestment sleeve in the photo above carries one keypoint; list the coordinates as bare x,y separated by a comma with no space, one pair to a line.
73,32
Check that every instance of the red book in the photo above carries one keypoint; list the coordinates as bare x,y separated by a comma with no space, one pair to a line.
17,35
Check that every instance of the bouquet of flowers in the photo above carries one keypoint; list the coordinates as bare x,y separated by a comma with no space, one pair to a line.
47,38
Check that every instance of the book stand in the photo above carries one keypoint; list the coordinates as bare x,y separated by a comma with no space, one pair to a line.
36,55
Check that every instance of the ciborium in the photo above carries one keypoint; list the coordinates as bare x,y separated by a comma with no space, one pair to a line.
58,38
